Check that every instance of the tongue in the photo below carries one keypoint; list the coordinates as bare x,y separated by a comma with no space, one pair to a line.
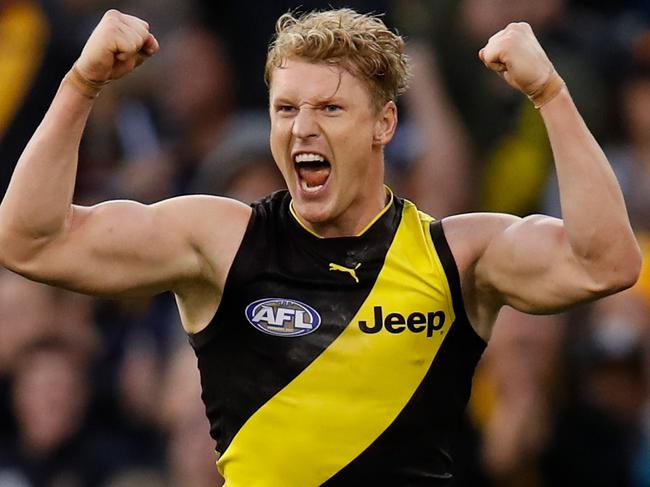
314,176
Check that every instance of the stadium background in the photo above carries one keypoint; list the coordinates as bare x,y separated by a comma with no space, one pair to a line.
97,392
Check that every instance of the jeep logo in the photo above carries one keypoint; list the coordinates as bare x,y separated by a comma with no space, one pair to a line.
396,323
282,317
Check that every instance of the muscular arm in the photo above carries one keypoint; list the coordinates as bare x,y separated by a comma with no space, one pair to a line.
541,264
119,246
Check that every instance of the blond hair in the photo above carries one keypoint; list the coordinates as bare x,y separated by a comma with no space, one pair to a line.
360,43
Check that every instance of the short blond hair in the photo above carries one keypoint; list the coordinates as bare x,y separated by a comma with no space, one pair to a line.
360,43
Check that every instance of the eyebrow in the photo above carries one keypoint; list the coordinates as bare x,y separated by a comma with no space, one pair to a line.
314,102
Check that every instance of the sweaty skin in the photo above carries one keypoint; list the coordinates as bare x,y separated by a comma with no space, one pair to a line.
187,244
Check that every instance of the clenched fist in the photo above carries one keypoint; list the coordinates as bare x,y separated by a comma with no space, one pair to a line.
517,56
119,43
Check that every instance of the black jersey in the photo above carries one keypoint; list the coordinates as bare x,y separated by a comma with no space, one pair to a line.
338,361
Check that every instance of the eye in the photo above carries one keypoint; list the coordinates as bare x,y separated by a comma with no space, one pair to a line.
331,108
285,109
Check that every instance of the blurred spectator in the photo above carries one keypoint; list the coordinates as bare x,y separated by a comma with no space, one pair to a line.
191,455
437,147
514,387
25,310
631,158
136,336
242,166
50,396
606,394
194,93
28,312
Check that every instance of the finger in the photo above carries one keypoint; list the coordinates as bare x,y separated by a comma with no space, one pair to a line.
495,64
128,43
135,32
497,67
135,21
125,48
492,56
136,25
150,46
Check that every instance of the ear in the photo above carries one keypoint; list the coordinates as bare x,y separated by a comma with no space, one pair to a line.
385,124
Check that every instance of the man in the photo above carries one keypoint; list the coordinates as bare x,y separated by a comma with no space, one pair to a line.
331,323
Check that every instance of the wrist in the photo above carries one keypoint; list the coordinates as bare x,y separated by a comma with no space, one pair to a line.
88,88
548,91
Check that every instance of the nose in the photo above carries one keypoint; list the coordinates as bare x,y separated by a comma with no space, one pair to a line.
304,124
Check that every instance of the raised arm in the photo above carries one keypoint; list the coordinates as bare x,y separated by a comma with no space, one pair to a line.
541,264
119,246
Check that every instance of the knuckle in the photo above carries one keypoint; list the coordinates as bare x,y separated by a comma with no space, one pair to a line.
113,29
516,28
510,37
494,39
112,14
128,47
518,25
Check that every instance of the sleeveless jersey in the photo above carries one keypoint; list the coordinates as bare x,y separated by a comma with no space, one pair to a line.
338,361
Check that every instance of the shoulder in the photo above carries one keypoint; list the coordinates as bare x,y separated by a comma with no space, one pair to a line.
214,225
196,214
469,236
473,235
200,206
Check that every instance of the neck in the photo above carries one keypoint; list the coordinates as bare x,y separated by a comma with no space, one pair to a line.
355,221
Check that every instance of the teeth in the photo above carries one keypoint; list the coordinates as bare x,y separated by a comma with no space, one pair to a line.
309,189
309,157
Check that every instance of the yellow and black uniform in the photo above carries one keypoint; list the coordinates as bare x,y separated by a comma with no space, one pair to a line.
338,361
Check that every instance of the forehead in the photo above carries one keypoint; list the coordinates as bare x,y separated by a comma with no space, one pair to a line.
304,80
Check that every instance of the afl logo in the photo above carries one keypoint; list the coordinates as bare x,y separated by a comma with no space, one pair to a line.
282,317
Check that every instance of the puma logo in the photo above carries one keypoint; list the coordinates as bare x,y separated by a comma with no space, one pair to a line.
348,270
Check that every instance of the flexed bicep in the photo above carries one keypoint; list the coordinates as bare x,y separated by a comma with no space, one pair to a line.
125,247
530,265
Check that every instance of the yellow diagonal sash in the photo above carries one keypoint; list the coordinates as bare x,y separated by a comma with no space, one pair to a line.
353,391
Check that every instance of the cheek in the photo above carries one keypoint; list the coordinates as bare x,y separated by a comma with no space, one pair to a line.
357,146
278,145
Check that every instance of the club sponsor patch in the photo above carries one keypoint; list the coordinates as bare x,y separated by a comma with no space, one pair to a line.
282,317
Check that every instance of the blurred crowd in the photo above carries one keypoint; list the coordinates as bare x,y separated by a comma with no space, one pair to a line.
101,392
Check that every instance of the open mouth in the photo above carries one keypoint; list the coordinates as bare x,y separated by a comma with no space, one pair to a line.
313,171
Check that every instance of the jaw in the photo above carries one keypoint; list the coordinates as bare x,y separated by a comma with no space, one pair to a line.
340,207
